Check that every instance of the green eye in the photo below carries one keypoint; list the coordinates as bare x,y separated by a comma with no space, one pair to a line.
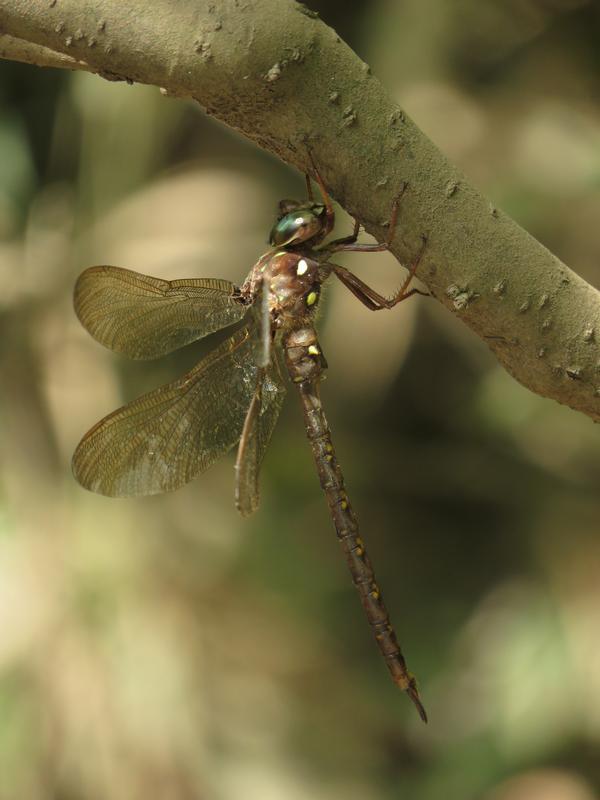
286,229
296,226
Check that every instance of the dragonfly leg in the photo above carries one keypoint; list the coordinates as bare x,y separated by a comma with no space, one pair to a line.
345,239
309,190
404,292
349,243
329,211
372,299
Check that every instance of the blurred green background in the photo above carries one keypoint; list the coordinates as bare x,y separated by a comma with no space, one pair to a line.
164,647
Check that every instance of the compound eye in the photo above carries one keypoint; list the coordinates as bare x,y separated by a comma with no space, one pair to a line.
295,227
286,229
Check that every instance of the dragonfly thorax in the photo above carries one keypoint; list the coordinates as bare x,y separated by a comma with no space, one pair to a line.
293,283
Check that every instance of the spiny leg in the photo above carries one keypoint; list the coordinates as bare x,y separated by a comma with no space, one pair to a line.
372,299
347,239
329,210
403,291
309,190
328,205
347,243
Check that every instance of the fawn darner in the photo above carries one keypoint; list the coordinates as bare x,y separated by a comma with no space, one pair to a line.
165,438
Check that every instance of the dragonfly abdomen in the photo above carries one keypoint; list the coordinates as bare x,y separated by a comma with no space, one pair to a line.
305,365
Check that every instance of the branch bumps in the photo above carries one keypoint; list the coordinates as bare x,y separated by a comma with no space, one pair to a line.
276,73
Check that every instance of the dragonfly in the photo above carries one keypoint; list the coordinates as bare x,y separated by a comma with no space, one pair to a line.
165,438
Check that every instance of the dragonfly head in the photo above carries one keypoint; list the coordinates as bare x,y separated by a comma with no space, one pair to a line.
298,223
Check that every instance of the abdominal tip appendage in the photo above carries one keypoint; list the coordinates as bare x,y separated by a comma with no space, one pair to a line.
413,693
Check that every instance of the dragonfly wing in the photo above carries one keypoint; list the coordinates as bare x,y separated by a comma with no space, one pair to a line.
165,438
261,310
258,428
145,317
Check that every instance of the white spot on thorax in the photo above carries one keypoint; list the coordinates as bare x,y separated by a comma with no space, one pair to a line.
298,221
302,267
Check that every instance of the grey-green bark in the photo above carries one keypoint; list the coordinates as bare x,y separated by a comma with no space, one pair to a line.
272,70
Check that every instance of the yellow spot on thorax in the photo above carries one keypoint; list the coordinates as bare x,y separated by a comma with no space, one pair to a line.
311,298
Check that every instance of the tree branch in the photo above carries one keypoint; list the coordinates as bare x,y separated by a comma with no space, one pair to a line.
14,49
272,70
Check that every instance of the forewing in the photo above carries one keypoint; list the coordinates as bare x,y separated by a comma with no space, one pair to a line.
165,438
145,317
258,428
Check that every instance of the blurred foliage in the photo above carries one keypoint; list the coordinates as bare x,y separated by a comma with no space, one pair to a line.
162,647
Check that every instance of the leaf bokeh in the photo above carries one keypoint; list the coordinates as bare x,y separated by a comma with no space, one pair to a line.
164,645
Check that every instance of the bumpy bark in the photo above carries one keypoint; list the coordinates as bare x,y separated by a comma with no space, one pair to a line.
272,70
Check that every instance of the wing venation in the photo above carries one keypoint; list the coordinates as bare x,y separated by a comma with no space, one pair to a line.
145,317
258,428
165,438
